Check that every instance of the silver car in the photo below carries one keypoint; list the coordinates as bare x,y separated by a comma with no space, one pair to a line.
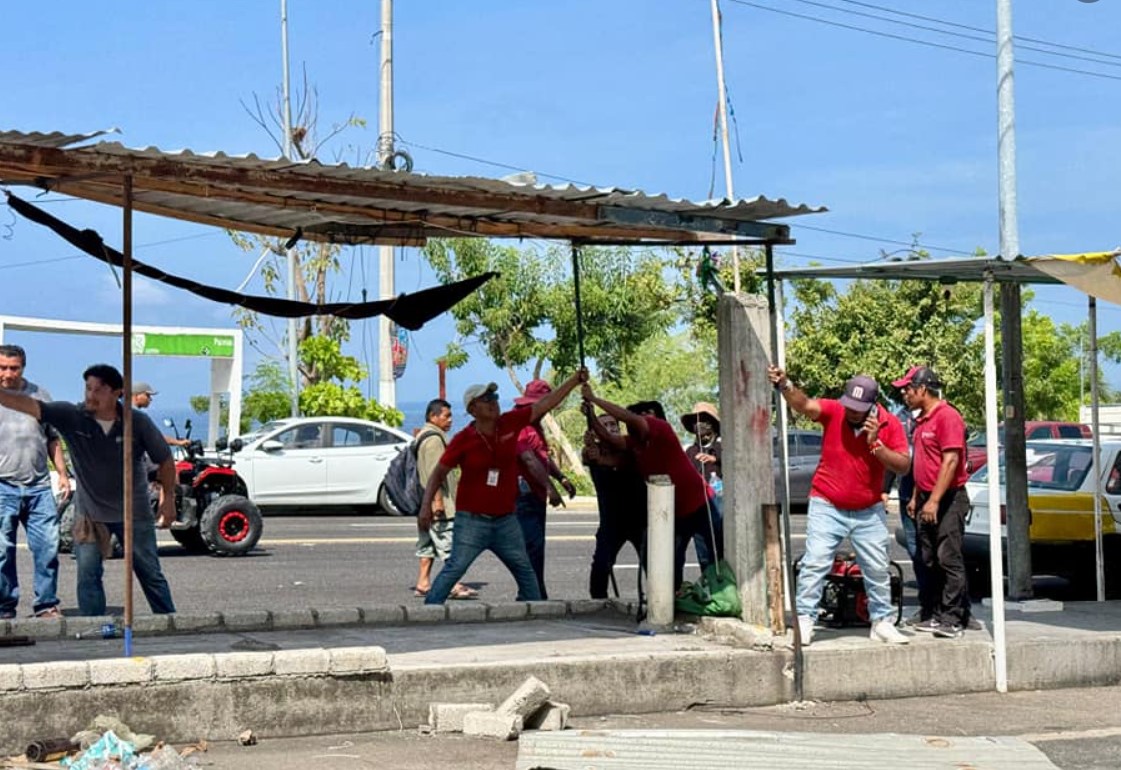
805,453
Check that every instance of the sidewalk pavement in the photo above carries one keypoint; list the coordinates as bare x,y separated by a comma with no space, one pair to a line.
290,672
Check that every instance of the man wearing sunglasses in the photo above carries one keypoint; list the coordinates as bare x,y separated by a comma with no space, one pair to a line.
486,453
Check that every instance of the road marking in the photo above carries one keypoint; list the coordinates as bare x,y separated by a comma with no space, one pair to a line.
1070,735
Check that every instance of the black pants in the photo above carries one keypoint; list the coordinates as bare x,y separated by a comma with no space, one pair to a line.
944,595
621,495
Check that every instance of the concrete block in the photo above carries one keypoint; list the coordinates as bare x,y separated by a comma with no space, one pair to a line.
176,668
548,609
291,619
120,671
338,616
196,621
623,607
448,717
150,624
358,660
11,677
383,615
88,627
487,724
526,699
49,676
247,620
551,716
238,665
39,628
586,606
507,611
467,612
426,613
306,662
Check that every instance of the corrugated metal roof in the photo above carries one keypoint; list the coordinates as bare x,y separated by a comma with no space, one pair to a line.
53,139
340,203
953,270
736,749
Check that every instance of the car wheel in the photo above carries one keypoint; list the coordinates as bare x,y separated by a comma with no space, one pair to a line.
190,539
386,504
231,525
979,580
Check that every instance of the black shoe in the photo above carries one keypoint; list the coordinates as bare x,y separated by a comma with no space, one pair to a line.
949,631
914,619
972,624
930,625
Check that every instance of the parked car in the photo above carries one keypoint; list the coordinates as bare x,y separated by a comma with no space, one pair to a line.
976,453
805,452
1061,512
318,461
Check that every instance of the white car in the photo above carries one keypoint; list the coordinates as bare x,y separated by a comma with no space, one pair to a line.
318,461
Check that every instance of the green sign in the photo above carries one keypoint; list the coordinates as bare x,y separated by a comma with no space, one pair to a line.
206,345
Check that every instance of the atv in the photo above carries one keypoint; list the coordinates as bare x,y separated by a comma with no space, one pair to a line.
213,511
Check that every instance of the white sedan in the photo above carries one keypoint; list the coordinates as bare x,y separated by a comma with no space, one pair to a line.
318,461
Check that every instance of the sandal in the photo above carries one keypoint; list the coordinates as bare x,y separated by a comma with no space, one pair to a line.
463,592
420,593
49,612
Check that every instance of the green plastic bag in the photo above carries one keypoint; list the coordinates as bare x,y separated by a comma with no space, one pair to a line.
714,594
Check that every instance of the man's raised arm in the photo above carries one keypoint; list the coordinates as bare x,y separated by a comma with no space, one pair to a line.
19,403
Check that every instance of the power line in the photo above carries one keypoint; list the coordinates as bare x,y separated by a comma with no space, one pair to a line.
927,43
496,164
138,247
875,239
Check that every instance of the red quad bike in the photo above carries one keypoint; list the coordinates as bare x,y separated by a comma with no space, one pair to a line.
213,511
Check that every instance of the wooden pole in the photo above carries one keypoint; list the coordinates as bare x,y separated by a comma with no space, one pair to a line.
772,539
126,355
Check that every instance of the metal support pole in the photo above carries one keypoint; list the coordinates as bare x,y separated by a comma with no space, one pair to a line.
579,309
996,557
290,290
659,551
1096,467
387,385
126,412
722,96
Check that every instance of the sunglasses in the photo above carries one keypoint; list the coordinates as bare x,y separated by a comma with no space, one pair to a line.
488,398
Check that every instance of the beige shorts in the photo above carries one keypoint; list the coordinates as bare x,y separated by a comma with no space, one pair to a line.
436,543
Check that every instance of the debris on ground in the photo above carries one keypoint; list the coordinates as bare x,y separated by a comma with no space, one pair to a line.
528,708
247,738
110,744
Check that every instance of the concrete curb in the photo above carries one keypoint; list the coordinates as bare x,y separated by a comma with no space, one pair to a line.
307,618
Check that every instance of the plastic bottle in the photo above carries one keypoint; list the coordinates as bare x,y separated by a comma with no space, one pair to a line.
717,484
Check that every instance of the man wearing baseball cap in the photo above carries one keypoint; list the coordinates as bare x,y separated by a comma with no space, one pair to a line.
939,503
142,393
486,453
859,440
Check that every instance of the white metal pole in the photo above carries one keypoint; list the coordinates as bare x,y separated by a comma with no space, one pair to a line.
722,96
992,452
659,551
293,361
1006,132
387,386
1096,467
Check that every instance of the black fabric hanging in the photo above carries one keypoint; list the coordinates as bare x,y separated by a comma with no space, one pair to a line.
411,311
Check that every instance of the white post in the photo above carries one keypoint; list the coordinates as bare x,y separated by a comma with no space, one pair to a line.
722,96
1096,466
290,293
387,386
992,451
659,551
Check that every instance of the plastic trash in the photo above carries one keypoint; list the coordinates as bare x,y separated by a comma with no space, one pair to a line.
108,753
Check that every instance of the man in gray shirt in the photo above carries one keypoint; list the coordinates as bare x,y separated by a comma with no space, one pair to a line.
25,492
93,431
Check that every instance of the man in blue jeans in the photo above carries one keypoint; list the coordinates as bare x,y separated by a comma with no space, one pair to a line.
93,431
859,440
25,492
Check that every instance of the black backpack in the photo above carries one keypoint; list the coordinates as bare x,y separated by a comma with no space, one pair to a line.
402,479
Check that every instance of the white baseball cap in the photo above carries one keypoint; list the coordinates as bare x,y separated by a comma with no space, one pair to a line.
477,390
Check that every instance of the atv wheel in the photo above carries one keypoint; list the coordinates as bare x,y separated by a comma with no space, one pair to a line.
230,526
190,539
385,502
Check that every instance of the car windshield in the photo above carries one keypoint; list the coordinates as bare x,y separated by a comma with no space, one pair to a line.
979,439
1050,466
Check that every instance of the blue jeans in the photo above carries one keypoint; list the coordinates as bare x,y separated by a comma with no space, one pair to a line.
145,564
530,510
34,507
696,525
700,544
475,533
866,529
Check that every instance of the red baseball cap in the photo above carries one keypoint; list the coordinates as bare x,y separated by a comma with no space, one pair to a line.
918,375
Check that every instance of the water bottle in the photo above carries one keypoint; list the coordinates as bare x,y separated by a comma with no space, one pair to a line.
717,485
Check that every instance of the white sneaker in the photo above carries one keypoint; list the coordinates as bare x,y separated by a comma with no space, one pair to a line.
886,632
806,627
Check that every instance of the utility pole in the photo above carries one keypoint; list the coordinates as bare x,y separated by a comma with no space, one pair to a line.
1015,450
387,386
722,96
293,362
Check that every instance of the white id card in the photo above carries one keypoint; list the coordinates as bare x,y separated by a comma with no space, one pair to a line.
492,477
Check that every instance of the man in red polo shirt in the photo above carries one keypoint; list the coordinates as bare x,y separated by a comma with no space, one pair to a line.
657,451
860,439
939,504
486,452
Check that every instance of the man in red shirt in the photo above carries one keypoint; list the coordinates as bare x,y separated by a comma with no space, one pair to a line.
657,451
939,503
860,439
486,452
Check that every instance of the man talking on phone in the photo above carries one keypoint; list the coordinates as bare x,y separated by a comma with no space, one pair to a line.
860,439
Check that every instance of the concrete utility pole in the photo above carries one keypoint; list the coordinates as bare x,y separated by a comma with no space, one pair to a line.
1015,451
387,385
293,362
722,96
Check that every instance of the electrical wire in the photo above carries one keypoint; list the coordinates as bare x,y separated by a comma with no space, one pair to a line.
927,43
496,164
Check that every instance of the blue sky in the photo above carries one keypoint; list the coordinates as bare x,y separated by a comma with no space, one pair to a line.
895,137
